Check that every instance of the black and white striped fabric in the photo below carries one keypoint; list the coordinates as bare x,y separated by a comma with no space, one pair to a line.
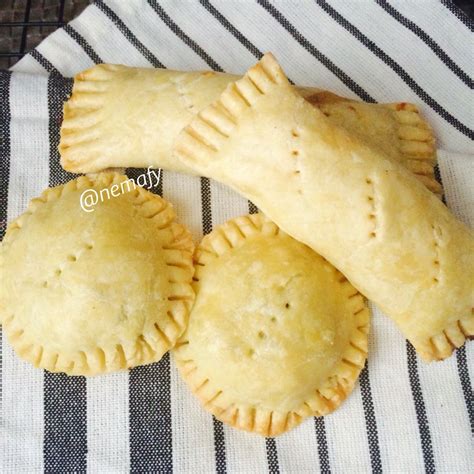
404,415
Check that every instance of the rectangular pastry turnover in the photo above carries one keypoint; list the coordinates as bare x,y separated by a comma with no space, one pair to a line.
362,210
120,116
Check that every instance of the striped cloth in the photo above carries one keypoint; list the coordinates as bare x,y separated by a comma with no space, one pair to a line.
404,415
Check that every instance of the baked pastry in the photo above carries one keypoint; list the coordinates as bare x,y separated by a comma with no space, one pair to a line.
396,129
96,133
363,211
92,292
276,334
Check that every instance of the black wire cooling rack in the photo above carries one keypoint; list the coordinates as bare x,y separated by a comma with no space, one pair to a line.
24,23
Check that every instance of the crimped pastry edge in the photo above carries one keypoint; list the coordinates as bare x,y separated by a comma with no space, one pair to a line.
326,398
199,143
147,348
82,114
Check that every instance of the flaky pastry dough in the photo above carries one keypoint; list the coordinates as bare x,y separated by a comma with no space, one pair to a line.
88,293
363,211
276,334
120,116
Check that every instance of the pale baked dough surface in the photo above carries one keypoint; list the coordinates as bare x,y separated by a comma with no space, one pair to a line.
360,209
121,116
87,293
276,333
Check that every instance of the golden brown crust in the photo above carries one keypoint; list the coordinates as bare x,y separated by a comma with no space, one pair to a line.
79,303
254,248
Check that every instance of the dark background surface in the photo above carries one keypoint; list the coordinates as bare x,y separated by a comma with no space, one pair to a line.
467,6
24,23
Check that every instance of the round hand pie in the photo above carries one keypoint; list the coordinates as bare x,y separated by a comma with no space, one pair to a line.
276,334
91,292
